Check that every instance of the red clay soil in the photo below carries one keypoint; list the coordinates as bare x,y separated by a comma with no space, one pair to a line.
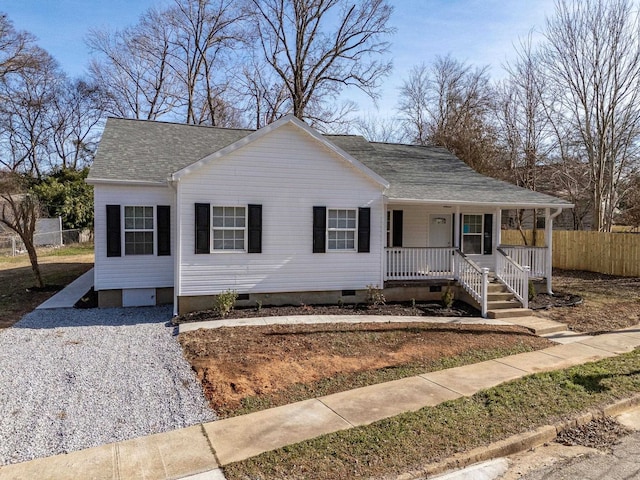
240,362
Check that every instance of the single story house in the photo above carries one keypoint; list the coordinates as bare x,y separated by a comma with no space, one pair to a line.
285,214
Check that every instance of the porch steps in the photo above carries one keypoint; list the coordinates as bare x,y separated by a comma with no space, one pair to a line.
502,313
500,299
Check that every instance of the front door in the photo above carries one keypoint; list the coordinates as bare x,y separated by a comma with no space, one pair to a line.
440,230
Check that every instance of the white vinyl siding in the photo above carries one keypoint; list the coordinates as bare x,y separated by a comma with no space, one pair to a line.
287,172
130,271
341,229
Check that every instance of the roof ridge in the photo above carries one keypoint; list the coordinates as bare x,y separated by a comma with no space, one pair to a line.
165,122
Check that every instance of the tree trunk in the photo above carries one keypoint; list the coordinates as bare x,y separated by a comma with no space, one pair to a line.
35,267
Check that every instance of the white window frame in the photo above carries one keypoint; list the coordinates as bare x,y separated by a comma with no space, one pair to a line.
342,229
234,228
126,230
480,234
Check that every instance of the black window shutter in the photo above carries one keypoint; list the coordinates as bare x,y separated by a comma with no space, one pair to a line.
163,215
114,243
319,229
203,228
364,229
488,234
397,228
255,229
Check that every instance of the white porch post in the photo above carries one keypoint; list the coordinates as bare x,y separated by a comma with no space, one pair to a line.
548,240
485,292
498,228
177,259
456,228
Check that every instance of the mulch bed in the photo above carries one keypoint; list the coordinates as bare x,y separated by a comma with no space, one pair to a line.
544,301
426,309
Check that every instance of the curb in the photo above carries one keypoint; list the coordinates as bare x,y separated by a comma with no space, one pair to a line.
520,442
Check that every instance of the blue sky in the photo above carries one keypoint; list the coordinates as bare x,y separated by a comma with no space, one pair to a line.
476,31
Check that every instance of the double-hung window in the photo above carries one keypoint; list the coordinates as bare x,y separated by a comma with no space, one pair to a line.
472,234
341,229
138,230
229,228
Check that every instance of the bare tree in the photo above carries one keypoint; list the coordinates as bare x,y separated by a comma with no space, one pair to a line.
16,48
630,202
448,103
75,120
26,100
19,211
524,131
133,71
319,47
380,129
261,94
592,61
206,31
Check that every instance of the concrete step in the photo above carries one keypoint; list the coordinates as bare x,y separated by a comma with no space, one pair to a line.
497,288
500,297
509,313
539,326
503,304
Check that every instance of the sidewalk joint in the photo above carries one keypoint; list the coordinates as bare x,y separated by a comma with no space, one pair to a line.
336,413
213,450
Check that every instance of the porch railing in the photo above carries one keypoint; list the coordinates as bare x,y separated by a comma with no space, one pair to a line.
533,257
416,263
514,276
472,278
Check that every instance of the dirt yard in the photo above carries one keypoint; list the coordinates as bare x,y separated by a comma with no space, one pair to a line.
58,267
245,369
285,363
609,302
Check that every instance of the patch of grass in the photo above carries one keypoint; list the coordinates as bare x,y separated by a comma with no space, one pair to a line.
18,297
348,381
408,441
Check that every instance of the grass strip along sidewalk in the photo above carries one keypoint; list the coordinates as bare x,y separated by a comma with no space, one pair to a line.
409,441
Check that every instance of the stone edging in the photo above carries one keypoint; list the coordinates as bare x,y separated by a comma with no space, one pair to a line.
522,441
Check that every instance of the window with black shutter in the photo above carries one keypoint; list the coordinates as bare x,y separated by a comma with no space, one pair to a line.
203,227
319,229
114,242
163,221
255,229
364,230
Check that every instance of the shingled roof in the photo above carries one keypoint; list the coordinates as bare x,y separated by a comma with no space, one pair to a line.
147,151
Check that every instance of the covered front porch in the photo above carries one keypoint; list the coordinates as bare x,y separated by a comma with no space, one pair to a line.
463,243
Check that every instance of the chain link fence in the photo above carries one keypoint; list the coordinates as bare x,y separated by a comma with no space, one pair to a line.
12,245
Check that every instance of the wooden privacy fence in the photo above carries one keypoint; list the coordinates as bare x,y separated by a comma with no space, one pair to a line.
610,253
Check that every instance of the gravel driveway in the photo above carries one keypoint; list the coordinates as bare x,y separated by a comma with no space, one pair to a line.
73,379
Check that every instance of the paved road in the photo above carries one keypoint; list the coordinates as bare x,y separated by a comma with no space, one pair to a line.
622,463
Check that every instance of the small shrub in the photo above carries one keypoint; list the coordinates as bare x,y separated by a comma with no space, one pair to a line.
447,297
413,303
375,297
225,302
259,305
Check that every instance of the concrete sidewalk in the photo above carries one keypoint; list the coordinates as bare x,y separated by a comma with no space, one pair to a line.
203,448
69,295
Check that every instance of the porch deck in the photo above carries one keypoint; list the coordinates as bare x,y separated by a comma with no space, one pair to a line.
424,266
